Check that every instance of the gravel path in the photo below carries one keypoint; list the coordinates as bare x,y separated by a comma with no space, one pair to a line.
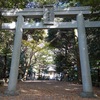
47,90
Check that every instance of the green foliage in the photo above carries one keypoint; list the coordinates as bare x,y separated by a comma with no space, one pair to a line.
38,35
93,38
61,62
5,42
21,3
13,3
62,41
90,2
5,51
94,3
44,2
34,50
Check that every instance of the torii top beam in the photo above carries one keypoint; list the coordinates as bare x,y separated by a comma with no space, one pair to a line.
38,12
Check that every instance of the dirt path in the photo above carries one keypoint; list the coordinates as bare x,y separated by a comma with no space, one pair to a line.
47,90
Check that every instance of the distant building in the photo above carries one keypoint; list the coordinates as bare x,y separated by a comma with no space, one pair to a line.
51,71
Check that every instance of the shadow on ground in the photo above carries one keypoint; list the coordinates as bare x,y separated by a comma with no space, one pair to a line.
47,90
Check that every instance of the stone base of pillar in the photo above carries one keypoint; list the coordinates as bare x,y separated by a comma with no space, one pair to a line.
11,93
88,95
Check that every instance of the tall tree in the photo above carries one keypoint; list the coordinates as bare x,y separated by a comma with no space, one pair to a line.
63,42
5,49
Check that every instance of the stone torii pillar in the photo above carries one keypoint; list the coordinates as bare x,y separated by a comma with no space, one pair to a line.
15,57
85,67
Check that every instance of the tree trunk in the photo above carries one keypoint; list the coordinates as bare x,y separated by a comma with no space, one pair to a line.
25,75
99,77
4,68
76,47
28,65
79,70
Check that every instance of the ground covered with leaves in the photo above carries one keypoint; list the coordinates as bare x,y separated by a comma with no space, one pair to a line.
47,90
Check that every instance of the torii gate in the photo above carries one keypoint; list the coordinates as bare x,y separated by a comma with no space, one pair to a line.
49,23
